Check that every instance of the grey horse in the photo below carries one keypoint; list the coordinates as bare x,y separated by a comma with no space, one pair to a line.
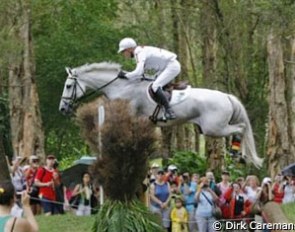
216,113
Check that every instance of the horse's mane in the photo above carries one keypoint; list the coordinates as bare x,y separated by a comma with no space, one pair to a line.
97,66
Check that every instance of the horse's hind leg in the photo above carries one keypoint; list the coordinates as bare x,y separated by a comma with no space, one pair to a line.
233,129
224,131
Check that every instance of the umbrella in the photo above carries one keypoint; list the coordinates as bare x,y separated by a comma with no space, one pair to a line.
289,170
72,175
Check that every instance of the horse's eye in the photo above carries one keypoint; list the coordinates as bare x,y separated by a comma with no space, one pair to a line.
68,86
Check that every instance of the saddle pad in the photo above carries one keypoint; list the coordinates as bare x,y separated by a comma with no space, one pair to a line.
177,97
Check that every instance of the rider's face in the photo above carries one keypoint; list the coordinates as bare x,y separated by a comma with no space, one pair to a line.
127,53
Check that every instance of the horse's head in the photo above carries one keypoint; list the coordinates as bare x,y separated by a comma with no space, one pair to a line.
73,90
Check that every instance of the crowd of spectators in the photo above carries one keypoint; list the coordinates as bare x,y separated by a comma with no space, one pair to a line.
187,202
47,193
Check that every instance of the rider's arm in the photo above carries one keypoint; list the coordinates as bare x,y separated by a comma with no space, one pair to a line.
140,58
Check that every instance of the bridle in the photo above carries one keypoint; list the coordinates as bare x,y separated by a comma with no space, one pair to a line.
73,98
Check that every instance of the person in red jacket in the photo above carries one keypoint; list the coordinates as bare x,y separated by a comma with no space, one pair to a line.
45,180
278,189
239,204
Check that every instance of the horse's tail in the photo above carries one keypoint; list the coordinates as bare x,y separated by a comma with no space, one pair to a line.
248,144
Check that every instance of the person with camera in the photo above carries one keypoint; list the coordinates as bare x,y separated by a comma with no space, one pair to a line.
188,189
206,199
240,205
278,189
32,189
171,175
289,189
45,180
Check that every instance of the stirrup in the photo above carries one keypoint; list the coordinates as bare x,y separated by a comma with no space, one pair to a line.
169,114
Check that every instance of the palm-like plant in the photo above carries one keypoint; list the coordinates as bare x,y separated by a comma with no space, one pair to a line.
127,141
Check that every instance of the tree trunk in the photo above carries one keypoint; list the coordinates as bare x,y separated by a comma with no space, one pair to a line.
25,117
278,150
292,104
214,147
4,173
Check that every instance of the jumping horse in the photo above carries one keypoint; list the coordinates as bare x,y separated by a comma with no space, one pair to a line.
216,113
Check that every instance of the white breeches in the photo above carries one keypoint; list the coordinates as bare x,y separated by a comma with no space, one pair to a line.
167,75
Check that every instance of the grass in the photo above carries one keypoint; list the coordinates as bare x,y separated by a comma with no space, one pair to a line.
289,210
65,223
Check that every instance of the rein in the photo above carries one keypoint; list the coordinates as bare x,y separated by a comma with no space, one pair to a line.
73,97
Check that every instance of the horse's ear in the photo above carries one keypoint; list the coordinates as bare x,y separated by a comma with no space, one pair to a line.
69,71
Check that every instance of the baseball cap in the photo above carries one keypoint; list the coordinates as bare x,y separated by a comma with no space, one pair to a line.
33,157
172,167
50,156
266,180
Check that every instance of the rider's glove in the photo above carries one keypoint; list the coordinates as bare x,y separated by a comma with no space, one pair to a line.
122,75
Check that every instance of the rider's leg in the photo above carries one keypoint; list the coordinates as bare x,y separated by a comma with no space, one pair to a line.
165,77
161,99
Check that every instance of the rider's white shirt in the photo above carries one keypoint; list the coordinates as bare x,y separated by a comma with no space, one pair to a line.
150,58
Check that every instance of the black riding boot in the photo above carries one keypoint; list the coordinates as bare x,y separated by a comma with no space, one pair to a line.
161,99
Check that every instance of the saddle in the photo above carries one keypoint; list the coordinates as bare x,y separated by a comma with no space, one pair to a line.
180,85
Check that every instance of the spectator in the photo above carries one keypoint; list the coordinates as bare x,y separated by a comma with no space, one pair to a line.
33,190
171,175
205,198
241,180
188,189
45,181
278,189
85,194
18,177
289,189
240,205
153,172
195,178
9,223
265,194
179,217
212,183
251,187
223,186
160,194
175,193
60,191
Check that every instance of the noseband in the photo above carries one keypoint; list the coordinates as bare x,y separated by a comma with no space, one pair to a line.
73,98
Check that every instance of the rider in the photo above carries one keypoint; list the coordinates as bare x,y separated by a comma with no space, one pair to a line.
152,58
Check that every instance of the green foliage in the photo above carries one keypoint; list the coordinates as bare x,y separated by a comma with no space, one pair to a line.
131,216
68,33
187,161
289,211
235,168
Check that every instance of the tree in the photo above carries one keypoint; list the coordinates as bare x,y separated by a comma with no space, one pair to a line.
278,140
214,146
25,118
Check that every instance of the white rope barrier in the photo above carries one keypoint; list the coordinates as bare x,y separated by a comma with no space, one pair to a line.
166,220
